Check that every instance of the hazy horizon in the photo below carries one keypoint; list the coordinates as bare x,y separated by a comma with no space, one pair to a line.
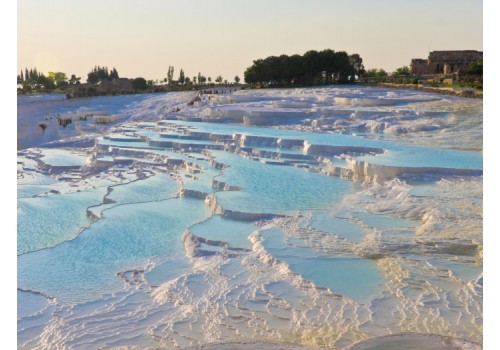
224,37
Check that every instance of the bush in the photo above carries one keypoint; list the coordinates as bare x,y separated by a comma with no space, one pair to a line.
64,121
139,84
104,120
43,127
475,68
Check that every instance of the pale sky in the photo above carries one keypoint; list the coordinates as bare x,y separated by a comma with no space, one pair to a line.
144,37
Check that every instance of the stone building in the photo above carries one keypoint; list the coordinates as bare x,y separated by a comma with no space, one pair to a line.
444,62
418,66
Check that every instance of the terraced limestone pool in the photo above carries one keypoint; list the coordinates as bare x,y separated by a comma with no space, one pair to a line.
328,217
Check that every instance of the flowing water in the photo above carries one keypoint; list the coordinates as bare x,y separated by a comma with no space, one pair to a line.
318,217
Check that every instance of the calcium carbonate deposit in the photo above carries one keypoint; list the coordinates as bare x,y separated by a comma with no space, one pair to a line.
319,217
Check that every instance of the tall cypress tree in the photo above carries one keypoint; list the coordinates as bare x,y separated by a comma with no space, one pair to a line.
113,74
181,77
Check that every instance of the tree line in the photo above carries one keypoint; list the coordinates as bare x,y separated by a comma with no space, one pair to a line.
98,74
184,79
30,80
312,68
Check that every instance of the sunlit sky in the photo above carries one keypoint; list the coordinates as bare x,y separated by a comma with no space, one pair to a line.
142,38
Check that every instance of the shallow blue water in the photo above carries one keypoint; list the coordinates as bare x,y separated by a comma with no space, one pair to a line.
127,144
274,188
28,191
175,139
46,221
325,221
356,278
399,155
201,181
427,157
30,304
156,187
383,222
225,230
58,157
86,267
33,178
174,267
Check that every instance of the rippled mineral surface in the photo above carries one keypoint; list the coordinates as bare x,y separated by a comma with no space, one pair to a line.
319,217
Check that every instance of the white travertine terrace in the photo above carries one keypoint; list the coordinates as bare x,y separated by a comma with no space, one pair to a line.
409,231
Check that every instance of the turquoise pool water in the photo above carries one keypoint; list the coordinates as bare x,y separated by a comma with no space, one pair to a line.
282,189
85,268
46,221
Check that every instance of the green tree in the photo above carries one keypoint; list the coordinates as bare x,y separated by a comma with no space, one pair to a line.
113,74
357,65
139,84
194,79
182,78
57,77
381,73
236,79
46,82
92,78
475,68
375,73
27,86
170,75
323,67
74,80
99,73
63,84
405,70
219,79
